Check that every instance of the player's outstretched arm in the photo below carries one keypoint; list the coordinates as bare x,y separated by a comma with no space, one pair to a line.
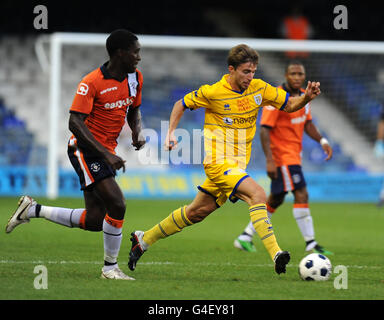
176,114
296,103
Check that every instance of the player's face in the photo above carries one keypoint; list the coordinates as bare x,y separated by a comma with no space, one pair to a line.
130,58
295,76
243,74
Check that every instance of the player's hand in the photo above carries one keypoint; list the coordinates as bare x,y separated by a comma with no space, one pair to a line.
138,144
115,161
312,90
138,141
328,151
271,170
170,142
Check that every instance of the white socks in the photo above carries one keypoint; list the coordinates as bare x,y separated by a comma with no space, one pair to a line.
304,221
64,216
248,233
112,230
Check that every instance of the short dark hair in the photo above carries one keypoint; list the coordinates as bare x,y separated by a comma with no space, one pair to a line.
294,63
240,54
120,39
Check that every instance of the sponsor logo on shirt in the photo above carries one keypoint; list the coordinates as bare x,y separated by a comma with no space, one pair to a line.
119,103
248,120
108,89
228,120
243,104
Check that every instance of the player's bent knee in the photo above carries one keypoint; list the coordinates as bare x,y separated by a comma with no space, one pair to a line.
116,210
256,198
301,196
94,222
276,200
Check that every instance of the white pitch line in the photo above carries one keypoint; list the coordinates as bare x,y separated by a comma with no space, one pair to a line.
169,263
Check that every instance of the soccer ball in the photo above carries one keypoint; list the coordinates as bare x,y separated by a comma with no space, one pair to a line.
315,267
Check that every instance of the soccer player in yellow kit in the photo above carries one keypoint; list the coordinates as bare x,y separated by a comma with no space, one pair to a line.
231,108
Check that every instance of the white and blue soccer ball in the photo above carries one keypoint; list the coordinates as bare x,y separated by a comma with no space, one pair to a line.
315,267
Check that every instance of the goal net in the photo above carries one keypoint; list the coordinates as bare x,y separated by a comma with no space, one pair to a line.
351,76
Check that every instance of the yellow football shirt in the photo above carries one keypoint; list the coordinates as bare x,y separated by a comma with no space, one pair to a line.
230,117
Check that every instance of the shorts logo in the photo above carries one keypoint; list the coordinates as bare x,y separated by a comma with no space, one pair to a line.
82,89
234,172
258,99
95,167
296,178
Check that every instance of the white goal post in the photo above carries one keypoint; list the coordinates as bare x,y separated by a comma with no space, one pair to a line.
52,64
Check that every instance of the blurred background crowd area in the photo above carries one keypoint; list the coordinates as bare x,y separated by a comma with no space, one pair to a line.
352,84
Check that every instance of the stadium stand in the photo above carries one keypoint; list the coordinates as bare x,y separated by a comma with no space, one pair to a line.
24,120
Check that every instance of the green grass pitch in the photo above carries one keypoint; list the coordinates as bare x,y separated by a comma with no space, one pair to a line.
198,263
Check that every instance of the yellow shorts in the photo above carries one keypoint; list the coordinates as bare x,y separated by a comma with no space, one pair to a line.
222,181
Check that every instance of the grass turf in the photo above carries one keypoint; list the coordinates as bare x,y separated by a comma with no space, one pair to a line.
198,263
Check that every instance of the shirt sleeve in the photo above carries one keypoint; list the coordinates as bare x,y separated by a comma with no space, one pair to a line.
84,97
197,99
137,101
308,112
269,116
275,97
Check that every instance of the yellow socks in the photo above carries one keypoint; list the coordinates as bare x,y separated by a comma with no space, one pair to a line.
175,222
178,220
264,228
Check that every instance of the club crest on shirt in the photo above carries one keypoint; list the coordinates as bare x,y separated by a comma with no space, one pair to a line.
258,99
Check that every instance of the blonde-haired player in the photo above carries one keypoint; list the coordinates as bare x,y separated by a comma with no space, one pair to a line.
231,108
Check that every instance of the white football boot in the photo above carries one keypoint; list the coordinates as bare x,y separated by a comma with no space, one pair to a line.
20,215
116,274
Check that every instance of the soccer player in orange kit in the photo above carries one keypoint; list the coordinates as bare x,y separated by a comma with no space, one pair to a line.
104,99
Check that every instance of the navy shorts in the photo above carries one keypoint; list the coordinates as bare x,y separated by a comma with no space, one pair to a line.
89,168
289,178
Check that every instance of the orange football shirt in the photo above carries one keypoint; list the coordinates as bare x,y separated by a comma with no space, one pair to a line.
106,100
286,134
